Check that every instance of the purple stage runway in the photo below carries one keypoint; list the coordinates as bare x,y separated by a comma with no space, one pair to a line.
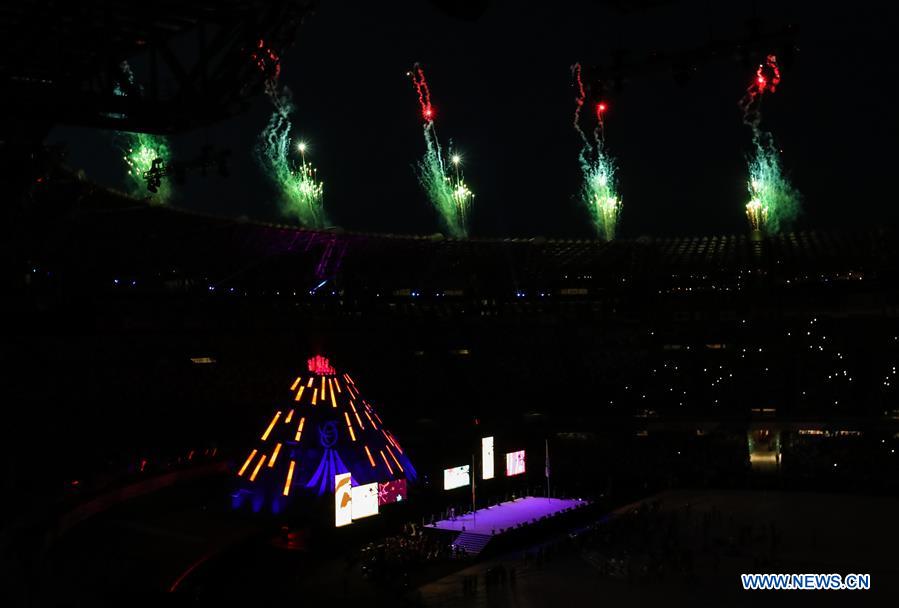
508,514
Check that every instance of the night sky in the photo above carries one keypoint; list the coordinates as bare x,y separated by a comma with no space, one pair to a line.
502,90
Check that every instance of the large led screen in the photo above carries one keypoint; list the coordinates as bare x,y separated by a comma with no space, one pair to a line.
455,477
343,500
365,500
514,463
487,458
391,491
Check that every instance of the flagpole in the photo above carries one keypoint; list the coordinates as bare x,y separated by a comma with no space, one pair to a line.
474,516
546,471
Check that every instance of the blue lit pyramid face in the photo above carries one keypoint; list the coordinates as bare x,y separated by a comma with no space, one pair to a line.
324,428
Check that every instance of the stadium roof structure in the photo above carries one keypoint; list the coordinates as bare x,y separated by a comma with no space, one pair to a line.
114,233
323,428
164,67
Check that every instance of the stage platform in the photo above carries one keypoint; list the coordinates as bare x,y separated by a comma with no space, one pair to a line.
508,514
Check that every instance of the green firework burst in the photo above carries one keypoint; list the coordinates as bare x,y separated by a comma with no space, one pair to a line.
599,189
302,194
139,152
773,201
446,189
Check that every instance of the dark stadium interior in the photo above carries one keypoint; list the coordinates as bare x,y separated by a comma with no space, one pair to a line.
713,399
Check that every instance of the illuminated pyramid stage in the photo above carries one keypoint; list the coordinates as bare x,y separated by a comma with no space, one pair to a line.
324,428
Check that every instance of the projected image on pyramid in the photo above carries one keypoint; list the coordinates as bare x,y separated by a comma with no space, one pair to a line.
323,428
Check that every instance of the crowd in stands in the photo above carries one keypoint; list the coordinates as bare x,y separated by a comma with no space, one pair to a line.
867,463
652,543
394,558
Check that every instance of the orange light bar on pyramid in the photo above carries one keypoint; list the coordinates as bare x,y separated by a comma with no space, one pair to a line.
258,466
289,478
271,462
248,461
271,426
393,441
331,432
370,420
349,426
384,458
392,456
358,419
300,429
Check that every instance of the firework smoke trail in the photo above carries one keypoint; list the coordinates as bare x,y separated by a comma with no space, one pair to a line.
445,189
302,194
773,201
598,191
139,150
